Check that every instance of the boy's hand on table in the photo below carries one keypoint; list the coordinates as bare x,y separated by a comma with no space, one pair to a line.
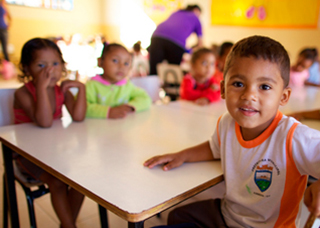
169,161
312,198
120,111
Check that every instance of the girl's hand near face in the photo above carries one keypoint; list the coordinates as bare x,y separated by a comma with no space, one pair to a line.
43,81
120,111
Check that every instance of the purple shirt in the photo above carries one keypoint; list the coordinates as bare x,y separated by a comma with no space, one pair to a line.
178,27
3,24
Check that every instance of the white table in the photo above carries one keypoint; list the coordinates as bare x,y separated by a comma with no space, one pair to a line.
103,159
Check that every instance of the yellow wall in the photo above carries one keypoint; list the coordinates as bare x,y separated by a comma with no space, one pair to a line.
28,22
292,39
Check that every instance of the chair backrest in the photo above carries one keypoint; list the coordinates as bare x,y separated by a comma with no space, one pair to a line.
151,84
6,106
170,73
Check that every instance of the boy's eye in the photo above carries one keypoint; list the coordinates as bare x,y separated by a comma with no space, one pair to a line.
237,84
265,87
126,63
115,60
41,65
56,63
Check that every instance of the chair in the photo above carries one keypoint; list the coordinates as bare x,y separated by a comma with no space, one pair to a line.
32,188
151,84
171,76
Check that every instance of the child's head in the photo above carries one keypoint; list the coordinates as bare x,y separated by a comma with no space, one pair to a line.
37,54
305,59
255,83
115,62
264,48
202,64
223,53
137,47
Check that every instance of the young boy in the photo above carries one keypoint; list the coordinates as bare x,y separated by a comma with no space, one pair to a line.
265,155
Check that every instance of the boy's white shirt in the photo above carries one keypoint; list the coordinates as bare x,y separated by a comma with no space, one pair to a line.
256,171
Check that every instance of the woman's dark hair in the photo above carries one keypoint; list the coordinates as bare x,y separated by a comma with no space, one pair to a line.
192,7
28,53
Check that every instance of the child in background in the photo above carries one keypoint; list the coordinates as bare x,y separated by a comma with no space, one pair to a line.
222,55
314,73
40,100
112,95
140,62
266,156
200,86
299,72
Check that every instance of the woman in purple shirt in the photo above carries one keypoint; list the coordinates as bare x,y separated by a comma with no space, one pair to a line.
5,20
169,39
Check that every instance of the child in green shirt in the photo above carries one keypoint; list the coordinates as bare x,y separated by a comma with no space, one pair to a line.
112,95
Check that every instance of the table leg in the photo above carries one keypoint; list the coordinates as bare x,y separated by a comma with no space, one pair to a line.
10,186
135,225
103,217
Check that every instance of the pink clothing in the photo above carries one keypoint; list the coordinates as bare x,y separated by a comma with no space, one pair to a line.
191,90
21,117
298,78
103,81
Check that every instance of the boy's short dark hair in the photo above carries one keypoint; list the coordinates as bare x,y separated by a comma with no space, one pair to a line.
199,52
261,47
108,47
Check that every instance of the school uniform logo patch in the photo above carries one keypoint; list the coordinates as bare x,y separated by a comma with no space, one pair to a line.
263,177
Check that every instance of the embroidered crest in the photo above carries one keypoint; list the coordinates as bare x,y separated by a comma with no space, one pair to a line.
263,177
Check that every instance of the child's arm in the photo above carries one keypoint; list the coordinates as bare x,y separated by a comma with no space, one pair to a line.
139,99
312,198
201,152
76,107
39,112
315,114
120,111
201,97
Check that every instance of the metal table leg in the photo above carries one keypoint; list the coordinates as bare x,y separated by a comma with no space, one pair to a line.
103,217
10,185
135,225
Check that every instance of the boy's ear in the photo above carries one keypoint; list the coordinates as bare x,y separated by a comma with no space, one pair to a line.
222,90
99,62
285,96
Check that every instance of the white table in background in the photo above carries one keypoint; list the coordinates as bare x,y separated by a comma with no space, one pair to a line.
103,159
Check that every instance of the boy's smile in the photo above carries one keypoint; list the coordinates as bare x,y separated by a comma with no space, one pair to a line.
253,90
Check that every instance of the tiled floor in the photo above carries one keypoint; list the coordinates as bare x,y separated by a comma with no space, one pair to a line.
88,216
